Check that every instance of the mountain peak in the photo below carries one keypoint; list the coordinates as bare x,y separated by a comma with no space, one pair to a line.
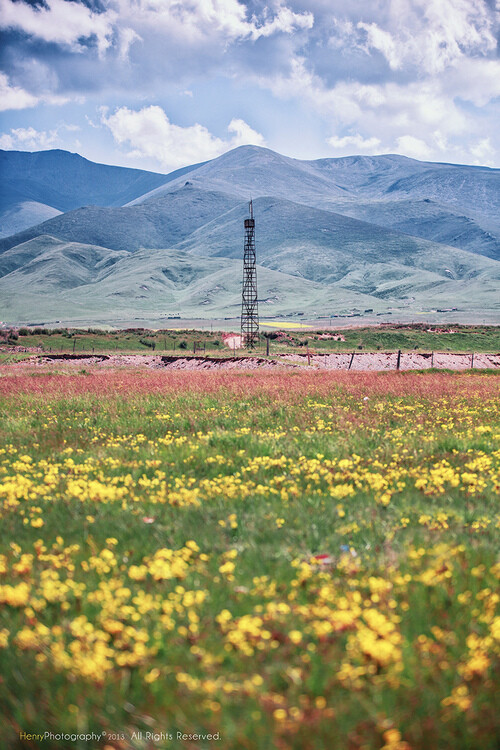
385,230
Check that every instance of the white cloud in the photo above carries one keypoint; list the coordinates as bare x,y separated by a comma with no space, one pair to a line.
6,142
199,19
28,139
421,75
127,37
354,143
431,34
59,22
384,42
150,134
474,80
124,22
422,119
413,147
244,134
286,21
15,97
483,152
414,104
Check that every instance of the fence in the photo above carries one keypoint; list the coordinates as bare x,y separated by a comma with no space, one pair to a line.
398,360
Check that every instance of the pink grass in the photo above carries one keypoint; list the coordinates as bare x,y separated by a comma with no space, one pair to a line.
281,385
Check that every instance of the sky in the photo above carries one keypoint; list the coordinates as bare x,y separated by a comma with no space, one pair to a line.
160,84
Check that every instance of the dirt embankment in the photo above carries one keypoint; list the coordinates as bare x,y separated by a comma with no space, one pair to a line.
357,361
220,363
389,360
141,361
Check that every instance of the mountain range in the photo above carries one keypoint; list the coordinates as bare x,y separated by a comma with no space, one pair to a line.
85,241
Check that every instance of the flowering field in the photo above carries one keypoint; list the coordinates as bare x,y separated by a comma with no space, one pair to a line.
300,561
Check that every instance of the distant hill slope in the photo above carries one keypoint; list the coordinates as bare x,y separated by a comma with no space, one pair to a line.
325,247
162,222
23,214
49,265
428,219
378,189
65,181
153,282
252,171
60,181
457,205
71,281
292,238
382,232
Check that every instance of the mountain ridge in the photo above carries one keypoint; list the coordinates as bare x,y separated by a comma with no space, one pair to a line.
62,181
387,232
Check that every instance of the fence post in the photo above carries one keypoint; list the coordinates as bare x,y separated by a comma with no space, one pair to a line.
472,361
267,347
350,362
432,359
399,359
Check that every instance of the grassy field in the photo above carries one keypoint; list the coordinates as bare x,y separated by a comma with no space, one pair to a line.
385,338
301,561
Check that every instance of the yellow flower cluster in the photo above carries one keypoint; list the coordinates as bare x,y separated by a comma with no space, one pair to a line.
335,565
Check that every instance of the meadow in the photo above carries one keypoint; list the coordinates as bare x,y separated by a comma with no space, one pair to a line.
295,560
448,338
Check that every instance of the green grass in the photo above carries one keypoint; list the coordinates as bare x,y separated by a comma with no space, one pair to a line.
387,338
156,489
144,342
465,339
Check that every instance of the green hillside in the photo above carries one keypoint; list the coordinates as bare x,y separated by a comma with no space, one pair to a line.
327,247
162,222
72,281
49,264
383,234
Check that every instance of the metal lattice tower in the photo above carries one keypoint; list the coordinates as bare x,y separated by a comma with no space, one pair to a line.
249,307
